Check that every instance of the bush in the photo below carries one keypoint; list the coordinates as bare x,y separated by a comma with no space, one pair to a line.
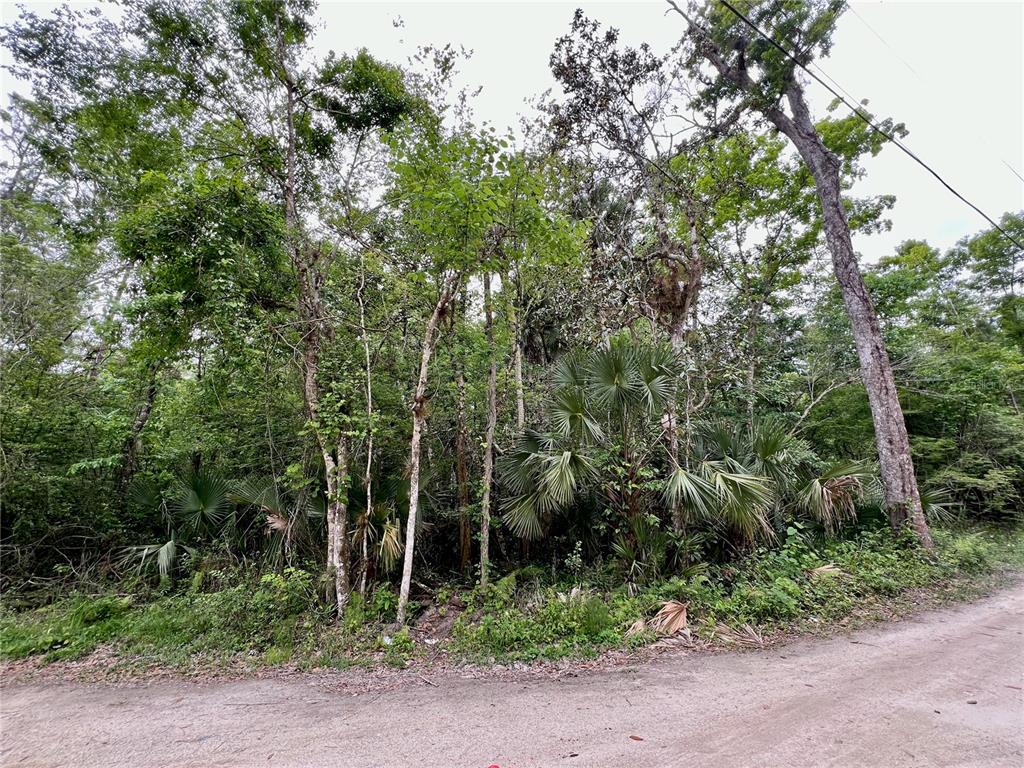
276,618
802,579
970,553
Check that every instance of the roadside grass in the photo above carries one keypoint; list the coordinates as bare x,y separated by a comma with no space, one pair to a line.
228,619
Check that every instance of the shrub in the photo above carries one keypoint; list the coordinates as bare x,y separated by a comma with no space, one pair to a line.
970,553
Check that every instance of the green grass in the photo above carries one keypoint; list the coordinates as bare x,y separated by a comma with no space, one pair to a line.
799,583
278,618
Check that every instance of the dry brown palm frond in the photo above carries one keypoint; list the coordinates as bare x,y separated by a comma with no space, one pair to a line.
671,618
832,497
390,546
745,635
684,638
276,522
636,628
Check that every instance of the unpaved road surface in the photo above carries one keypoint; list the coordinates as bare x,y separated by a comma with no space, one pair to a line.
940,689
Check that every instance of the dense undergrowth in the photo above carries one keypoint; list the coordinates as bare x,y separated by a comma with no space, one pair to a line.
230,618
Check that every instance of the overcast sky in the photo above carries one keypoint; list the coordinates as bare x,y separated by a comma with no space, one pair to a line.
952,71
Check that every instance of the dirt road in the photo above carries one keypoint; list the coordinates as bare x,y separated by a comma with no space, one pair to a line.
941,689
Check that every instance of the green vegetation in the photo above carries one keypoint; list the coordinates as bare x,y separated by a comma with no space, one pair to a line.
302,364
267,620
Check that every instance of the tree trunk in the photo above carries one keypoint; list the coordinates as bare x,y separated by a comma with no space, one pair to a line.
130,450
677,339
462,474
517,366
337,522
750,342
492,418
310,276
368,475
902,499
419,404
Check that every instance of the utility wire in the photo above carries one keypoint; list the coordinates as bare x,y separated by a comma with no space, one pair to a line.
857,111
906,64
884,42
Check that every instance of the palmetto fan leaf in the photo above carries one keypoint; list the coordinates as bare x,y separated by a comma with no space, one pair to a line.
521,517
541,478
718,440
562,476
772,452
744,500
144,493
657,373
147,495
570,417
570,373
722,492
519,468
201,501
390,547
613,378
259,492
690,490
831,498
262,493
165,555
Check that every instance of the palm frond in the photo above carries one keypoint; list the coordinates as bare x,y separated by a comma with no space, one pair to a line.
201,501
939,506
562,475
389,550
144,493
832,497
520,515
570,372
658,374
613,379
259,492
690,490
164,554
570,417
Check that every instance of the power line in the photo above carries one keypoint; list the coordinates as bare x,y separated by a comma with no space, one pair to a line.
905,63
857,111
892,50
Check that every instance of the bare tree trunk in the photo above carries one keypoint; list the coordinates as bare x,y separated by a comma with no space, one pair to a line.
517,366
462,474
902,499
337,522
419,416
368,475
130,450
492,418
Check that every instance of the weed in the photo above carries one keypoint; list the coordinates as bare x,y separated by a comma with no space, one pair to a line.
276,618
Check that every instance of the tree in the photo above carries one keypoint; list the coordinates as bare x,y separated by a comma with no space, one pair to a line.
447,197
234,82
755,73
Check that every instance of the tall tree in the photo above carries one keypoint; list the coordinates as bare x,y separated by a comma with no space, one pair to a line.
751,71
446,194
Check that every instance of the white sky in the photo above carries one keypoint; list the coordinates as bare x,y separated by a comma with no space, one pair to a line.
952,71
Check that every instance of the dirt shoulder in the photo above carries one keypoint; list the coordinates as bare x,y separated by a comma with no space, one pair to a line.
938,688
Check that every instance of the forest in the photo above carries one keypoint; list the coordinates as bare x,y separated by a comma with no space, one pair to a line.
301,360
